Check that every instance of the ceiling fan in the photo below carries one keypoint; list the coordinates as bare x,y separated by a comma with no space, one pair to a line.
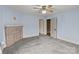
44,8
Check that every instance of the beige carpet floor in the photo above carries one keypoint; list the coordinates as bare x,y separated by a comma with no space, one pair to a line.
41,45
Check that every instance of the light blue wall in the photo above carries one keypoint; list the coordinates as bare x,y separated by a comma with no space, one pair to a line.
68,25
1,21
29,22
31,25
5,19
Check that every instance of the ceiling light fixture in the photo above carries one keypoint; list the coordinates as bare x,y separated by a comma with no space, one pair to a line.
43,11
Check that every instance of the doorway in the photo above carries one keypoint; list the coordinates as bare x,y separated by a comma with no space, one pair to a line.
48,27
52,27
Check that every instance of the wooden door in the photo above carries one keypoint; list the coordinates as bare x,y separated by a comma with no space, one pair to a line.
54,27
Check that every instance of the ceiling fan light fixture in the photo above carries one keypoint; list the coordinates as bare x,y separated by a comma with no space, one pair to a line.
43,11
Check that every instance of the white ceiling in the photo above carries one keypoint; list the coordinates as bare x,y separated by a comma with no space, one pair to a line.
29,8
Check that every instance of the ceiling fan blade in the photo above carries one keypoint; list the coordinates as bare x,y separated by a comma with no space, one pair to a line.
43,7
50,6
36,8
38,5
50,10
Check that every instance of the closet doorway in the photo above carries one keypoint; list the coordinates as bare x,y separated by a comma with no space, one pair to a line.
48,27
52,27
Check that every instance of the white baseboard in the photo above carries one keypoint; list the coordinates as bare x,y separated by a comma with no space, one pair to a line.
0,51
67,40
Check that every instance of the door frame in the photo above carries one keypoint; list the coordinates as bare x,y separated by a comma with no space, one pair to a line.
41,20
54,18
